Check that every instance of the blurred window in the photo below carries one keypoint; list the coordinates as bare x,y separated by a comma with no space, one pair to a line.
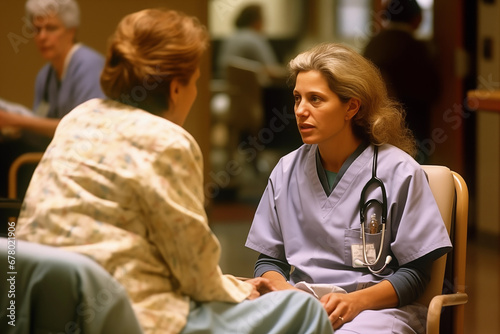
352,17
357,21
427,26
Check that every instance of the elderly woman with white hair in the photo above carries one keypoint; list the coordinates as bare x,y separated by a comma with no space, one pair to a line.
72,75
70,78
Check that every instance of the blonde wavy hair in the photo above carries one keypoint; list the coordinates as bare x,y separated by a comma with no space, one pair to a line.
379,120
147,51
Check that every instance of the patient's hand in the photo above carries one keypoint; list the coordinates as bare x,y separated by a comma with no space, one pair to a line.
260,286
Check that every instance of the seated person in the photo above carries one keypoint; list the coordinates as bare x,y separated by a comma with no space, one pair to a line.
130,195
70,78
249,43
307,224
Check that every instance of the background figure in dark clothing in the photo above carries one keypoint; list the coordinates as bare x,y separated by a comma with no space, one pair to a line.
407,65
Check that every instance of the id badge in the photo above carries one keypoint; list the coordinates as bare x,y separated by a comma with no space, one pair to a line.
43,109
357,253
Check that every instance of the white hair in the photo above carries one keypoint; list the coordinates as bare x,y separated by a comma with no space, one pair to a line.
67,10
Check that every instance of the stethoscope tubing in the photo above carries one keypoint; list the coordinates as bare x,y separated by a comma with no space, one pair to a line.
363,206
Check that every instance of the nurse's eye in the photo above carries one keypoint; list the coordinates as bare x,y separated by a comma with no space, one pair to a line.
315,99
296,98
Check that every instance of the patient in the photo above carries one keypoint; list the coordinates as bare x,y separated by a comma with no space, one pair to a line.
121,183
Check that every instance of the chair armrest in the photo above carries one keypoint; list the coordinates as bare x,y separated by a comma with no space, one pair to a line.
436,305
26,158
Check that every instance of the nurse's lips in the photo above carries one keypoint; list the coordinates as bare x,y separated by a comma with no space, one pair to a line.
305,126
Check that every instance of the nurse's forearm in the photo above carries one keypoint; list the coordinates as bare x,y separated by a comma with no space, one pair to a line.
278,280
376,297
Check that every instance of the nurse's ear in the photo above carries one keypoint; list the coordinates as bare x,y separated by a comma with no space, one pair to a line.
353,106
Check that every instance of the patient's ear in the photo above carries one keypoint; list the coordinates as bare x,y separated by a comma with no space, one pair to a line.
174,93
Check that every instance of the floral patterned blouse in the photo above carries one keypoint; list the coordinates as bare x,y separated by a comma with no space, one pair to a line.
125,187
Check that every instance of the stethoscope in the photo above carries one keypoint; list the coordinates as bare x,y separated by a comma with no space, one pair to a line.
363,206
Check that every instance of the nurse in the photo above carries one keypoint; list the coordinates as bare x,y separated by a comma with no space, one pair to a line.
69,78
307,225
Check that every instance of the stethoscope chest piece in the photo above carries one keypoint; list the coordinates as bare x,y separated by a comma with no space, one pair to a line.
369,257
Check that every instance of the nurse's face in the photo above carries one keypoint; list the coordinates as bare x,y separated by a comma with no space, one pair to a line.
53,39
321,116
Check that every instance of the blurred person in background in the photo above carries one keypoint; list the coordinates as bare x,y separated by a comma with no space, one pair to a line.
407,65
248,42
70,78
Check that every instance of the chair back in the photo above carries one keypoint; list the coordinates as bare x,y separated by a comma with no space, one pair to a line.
245,92
443,188
452,197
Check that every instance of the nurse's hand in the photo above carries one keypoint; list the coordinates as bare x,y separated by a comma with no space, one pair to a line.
261,286
341,308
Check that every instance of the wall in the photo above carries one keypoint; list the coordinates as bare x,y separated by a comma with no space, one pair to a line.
20,61
488,123
446,145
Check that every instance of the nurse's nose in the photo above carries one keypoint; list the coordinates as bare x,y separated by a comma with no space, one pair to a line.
300,108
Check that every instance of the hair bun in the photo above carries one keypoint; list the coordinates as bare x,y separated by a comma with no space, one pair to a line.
148,49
